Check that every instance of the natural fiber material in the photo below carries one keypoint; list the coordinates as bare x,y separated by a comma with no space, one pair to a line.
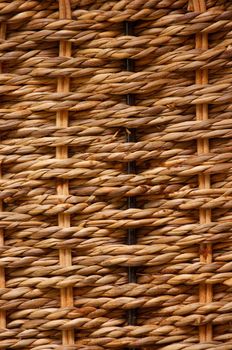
115,174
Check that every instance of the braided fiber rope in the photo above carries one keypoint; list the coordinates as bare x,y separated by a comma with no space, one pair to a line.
115,175
202,113
65,255
2,271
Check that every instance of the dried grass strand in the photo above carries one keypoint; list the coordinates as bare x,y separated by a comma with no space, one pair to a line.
206,254
2,270
62,121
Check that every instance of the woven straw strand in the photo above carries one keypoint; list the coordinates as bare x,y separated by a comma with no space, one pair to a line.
205,290
2,270
76,182
131,169
63,84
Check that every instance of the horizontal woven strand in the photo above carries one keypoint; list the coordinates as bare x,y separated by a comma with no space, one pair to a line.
65,252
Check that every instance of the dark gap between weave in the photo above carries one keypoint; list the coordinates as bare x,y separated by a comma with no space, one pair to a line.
131,169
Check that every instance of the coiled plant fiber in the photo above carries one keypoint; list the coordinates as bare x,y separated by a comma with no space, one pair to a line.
115,174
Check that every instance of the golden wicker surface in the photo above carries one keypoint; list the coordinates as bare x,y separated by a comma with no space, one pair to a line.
115,174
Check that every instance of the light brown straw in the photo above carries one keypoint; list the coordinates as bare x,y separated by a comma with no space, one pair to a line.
62,121
2,270
71,74
206,255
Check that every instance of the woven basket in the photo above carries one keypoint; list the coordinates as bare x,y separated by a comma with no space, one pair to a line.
116,177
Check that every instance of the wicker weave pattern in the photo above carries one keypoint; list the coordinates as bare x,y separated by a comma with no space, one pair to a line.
74,185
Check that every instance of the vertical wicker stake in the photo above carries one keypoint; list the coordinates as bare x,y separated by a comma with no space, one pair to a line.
131,169
2,272
205,292
63,85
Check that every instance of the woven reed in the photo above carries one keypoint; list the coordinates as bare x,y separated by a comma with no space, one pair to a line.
115,174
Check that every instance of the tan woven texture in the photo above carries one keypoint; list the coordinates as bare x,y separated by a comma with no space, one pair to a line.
115,174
